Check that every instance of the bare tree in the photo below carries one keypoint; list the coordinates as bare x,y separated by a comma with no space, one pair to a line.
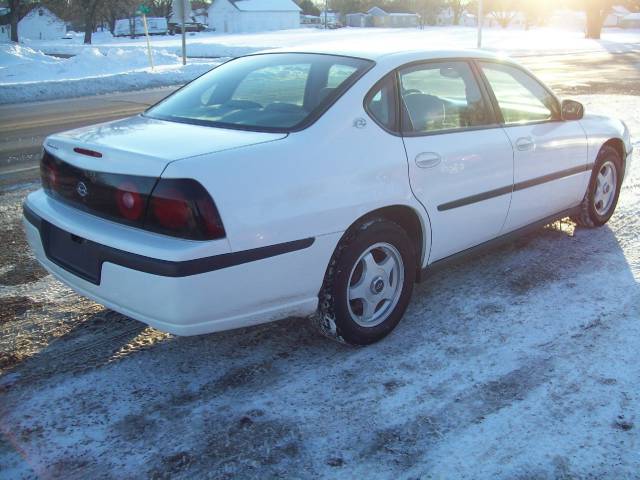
89,10
457,8
503,11
14,18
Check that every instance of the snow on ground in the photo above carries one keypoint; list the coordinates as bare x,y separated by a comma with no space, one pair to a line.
117,64
27,75
521,363
511,41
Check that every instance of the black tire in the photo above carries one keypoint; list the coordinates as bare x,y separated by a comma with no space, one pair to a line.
335,318
588,216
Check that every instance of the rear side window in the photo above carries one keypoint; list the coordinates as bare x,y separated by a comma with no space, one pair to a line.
441,96
270,92
521,98
381,103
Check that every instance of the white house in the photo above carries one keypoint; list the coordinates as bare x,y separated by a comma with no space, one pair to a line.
615,16
631,20
200,15
5,28
41,24
235,16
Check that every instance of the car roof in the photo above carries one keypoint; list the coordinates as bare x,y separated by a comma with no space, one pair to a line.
377,52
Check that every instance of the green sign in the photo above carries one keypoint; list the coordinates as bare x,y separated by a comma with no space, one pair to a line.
143,10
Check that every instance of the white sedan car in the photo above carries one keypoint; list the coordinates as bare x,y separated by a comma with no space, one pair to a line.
317,183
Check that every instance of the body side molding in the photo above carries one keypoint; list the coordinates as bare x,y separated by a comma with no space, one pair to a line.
488,245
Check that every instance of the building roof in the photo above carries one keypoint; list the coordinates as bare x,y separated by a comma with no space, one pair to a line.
30,9
619,9
266,5
376,11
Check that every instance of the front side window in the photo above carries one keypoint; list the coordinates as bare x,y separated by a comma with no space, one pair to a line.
441,96
521,98
271,92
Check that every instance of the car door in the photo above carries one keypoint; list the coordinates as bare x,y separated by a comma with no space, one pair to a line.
550,155
460,160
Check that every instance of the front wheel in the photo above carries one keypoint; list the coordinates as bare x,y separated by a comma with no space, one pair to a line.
603,191
368,284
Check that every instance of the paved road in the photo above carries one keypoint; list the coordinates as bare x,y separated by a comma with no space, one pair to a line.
24,126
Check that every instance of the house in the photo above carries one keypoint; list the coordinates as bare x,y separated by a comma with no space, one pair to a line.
332,17
382,18
468,20
235,16
200,15
631,20
5,26
359,20
309,20
377,17
41,24
615,16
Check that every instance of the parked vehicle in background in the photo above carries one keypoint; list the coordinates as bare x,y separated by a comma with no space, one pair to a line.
188,27
155,25
323,182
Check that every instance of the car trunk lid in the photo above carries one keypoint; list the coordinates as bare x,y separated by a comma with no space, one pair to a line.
144,146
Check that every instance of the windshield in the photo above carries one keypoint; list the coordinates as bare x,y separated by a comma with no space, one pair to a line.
269,92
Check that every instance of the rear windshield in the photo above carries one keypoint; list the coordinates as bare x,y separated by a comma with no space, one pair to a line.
270,92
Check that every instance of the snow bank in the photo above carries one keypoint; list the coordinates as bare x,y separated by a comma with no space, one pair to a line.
511,41
113,64
29,75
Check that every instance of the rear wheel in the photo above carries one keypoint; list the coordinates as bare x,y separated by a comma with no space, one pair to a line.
603,191
368,284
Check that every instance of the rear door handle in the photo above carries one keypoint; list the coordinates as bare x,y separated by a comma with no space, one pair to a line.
525,143
428,159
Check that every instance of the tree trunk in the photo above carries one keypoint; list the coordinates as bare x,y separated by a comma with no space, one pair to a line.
456,14
89,20
14,5
594,24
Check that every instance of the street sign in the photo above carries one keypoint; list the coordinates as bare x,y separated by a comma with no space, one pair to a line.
144,10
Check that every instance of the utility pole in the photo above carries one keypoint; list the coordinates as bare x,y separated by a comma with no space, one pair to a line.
184,34
480,18
179,7
326,6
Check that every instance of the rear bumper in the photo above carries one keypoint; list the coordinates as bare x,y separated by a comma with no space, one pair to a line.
198,296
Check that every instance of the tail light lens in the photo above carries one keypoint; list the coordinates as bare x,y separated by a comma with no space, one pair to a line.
182,207
130,203
48,172
177,207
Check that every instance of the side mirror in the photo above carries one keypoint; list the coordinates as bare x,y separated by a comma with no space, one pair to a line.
572,110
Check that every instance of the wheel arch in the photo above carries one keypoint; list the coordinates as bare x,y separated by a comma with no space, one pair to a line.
618,145
417,227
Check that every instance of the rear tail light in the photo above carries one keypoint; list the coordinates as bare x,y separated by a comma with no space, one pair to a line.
48,172
183,208
130,203
177,207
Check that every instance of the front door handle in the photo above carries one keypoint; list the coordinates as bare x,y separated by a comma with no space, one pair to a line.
525,143
428,159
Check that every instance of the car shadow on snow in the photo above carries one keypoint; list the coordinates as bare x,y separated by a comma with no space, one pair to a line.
278,398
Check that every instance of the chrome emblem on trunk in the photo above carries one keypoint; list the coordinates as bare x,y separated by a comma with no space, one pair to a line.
82,190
